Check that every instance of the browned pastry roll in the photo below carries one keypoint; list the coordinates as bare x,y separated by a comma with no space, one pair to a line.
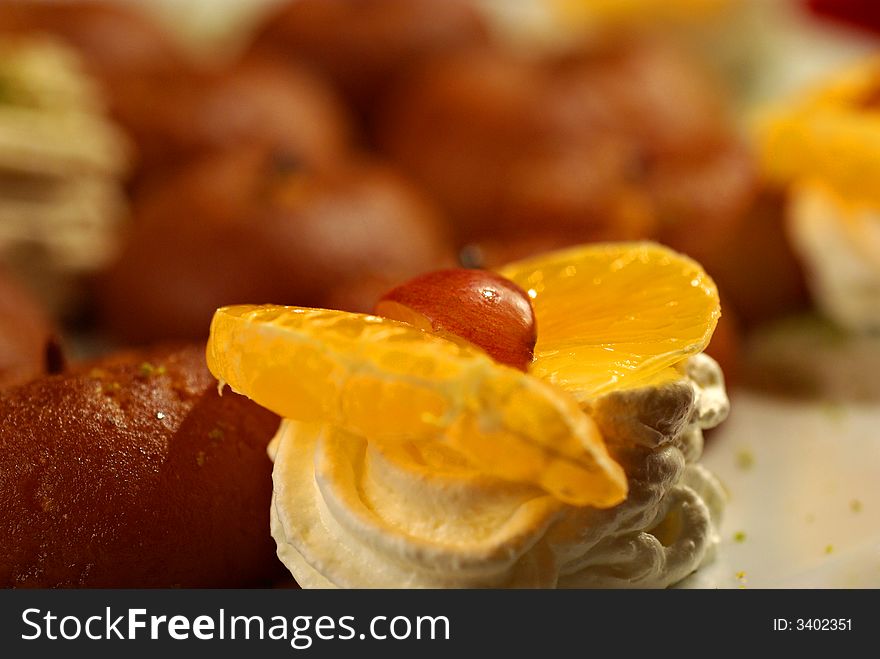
365,47
134,472
250,225
116,41
510,153
175,118
618,141
173,109
127,57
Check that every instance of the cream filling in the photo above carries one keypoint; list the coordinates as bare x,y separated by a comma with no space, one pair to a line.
347,512
840,248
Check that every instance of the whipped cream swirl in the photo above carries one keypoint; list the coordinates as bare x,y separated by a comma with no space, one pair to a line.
352,513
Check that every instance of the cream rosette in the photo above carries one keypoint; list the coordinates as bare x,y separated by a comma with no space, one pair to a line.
351,513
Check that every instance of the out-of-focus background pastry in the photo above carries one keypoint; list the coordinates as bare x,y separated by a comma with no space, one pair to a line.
62,163
499,129
160,159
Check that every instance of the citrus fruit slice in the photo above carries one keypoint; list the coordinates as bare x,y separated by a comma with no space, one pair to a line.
832,134
390,382
615,315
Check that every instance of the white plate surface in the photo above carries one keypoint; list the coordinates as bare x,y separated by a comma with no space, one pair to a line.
804,484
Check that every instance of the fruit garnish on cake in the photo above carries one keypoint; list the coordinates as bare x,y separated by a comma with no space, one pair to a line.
536,427
824,149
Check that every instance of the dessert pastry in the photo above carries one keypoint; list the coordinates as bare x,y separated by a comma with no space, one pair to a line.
824,151
169,105
29,346
365,47
622,141
411,458
761,234
176,117
133,472
252,224
120,48
506,156
116,41
61,166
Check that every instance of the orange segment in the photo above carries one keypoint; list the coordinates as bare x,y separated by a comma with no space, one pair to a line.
832,134
614,316
390,382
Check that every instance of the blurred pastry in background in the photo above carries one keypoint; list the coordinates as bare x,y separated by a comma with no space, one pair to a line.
730,37
509,154
619,141
761,275
824,151
137,67
62,162
134,472
696,168
257,224
122,48
256,100
29,345
365,47
116,41
172,106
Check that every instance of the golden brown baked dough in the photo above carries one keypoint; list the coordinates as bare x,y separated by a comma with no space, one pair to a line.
134,472
620,141
173,118
365,47
253,226
131,59
754,252
115,41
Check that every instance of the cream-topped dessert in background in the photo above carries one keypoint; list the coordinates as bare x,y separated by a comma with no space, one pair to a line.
411,458
840,245
825,149
61,167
